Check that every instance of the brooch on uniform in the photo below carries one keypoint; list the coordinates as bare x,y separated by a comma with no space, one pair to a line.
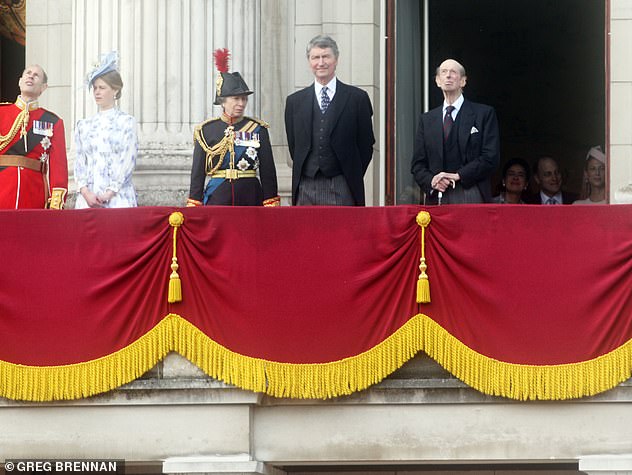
251,152
45,143
243,164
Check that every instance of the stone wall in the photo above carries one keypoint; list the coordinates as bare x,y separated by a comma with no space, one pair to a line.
621,101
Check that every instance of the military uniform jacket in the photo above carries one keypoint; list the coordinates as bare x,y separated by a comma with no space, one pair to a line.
22,187
252,155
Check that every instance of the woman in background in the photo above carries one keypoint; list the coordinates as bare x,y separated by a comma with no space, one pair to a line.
515,182
594,192
106,145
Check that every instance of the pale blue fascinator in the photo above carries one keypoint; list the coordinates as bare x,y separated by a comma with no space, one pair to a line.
108,62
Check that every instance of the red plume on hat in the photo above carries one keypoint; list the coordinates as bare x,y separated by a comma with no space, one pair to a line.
227,84
222,56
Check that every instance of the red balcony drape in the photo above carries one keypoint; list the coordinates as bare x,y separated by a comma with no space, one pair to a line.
527,302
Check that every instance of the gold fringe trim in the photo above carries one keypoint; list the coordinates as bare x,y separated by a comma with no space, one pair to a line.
80,380
525,382
301,381
318,380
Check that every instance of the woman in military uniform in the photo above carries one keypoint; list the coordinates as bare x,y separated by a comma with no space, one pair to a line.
233,150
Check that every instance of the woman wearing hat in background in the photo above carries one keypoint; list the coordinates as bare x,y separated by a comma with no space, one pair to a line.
232,150
594,192
106,145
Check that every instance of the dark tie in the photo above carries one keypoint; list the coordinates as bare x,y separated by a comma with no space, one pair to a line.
448,122
324,100
551,201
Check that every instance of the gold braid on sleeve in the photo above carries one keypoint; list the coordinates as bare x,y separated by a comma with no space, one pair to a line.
57,198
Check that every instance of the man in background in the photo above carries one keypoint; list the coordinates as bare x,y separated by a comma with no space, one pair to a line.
546,173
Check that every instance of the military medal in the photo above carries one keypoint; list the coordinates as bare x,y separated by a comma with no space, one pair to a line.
41,127
247,139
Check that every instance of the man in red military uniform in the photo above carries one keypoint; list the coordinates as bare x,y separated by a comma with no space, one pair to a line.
33,166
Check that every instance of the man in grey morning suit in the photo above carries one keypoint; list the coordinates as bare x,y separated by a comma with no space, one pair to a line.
456,145
329,134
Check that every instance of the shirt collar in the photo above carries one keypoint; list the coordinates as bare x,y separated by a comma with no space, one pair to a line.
456,104
557,197
331,86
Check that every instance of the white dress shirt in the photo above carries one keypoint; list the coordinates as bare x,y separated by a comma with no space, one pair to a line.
331,90
457,106
544,198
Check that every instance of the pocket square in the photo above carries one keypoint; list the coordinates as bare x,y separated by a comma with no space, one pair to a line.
474,130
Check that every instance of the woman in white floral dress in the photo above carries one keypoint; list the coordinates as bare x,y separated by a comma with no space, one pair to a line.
106,145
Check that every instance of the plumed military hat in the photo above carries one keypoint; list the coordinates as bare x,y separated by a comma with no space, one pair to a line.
227,84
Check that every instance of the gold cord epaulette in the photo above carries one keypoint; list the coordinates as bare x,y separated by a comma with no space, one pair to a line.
199,127
19,123
262,123
212,119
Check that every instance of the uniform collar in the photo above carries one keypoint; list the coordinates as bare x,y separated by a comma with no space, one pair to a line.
22,104
231,120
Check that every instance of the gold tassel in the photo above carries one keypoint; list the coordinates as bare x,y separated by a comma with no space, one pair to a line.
175,286
423,284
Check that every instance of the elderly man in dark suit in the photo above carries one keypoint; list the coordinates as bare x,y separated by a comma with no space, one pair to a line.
329,133
457,144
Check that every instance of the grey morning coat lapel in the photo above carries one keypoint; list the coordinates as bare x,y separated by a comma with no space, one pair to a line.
436,131
337,104
305,111
466,122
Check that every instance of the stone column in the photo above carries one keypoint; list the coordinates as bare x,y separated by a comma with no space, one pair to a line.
166,51
48,37
620,153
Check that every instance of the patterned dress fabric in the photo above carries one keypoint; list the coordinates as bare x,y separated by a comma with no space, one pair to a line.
106,146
